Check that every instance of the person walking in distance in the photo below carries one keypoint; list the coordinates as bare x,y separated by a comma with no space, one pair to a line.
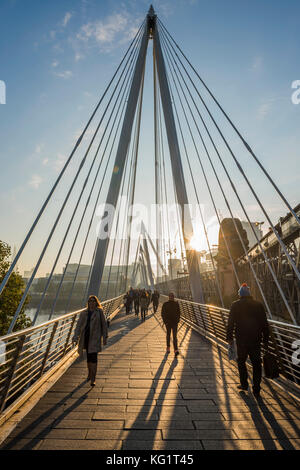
128,303
248,320
91,328
155,300
170,313
144,304
136,301
131,295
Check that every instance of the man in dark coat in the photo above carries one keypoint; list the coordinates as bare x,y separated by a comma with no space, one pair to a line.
128,302
248,319
170,313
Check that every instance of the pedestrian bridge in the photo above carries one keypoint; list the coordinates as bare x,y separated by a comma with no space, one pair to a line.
143,398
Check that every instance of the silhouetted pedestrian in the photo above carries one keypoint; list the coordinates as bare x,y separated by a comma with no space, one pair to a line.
128,302
155,300
144,302
149,292
248,320
136,301
170,313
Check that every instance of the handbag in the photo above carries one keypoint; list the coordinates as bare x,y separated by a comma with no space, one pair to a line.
271,368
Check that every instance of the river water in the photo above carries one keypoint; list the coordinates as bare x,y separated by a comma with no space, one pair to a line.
43,316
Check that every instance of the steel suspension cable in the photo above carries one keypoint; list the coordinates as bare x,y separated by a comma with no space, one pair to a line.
194,186
120,110
291,262
135,150
129,191
116,232
95,206
160,181
79,199
236,228
262,249
162,188
78,142
60,212
204,174
165,184
236,130
105,171
134,272
88,280
157,168
124,222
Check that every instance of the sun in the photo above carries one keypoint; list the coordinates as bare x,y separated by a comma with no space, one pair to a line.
196,243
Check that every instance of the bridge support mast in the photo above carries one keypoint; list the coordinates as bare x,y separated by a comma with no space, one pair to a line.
176,163
118,170
177,170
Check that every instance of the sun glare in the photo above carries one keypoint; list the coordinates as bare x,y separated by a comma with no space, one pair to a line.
196,243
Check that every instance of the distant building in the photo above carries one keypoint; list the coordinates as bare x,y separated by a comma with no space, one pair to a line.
111,273
251,237
27,276
82,275
174,266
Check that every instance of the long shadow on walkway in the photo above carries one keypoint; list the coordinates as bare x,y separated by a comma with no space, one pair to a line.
191,401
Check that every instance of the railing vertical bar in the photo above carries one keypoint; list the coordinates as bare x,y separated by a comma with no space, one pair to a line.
11,373
48,349
69,334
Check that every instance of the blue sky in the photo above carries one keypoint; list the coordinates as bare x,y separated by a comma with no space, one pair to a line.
57,57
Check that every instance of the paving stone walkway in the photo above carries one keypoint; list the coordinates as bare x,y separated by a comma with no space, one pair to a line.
145,399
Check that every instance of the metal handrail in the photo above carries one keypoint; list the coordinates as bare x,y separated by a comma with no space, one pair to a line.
48,343
212,321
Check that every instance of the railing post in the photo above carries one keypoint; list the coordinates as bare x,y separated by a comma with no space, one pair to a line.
224,322
201,315
11,373
277,350
69,334
48,349
212,322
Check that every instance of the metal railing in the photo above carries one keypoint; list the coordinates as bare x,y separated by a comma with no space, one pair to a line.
25,356
211,321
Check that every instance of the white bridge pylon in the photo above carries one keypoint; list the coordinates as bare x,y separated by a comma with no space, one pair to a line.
150,31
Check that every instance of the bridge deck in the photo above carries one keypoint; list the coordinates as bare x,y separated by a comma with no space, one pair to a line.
144,399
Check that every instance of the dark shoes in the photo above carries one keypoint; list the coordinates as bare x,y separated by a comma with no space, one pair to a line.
240,387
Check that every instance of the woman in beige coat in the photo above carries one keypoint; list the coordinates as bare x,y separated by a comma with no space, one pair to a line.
89,331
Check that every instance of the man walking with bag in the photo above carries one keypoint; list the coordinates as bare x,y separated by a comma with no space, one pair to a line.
170,313
247,318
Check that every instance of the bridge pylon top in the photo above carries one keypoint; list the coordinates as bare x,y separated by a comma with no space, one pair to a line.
151,16
151,11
